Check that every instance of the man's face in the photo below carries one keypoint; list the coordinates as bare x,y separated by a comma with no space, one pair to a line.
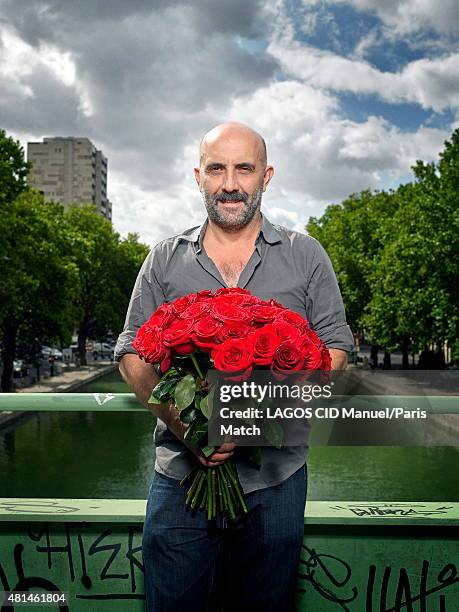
232,177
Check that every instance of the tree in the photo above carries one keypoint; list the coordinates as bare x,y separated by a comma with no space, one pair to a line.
415,290
106,268
37,277
13,169
349,234
131,254
395,255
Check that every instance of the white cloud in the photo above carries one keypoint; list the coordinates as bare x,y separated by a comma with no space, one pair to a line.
144,84
320,156
432,83
155,215
366,43
20,63
406,16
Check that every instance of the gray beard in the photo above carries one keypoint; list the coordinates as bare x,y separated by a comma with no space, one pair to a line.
231,221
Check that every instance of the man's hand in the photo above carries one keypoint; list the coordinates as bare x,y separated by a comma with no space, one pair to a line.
141,378
218,457
339,359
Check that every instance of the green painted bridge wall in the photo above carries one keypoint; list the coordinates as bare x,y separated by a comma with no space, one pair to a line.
359,556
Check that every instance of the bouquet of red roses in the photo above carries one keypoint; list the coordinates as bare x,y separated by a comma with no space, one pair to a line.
233,332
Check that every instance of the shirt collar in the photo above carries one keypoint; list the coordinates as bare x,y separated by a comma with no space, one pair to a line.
268,231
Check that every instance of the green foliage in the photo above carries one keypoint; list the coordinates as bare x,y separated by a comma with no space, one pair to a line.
37,276
107,267
349,234
13,169
184,392
165,388
396,256
414,296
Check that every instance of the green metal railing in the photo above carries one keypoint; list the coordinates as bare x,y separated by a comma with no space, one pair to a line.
119,402
356,556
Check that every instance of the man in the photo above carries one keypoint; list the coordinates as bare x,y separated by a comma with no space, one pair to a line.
236,246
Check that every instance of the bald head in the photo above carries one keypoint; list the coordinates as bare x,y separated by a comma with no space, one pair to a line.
232,174
232,131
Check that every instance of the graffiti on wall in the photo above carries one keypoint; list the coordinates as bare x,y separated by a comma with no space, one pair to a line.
383,589
389,509
102,563
98,566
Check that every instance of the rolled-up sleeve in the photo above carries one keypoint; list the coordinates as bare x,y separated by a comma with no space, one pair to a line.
146,297
324,304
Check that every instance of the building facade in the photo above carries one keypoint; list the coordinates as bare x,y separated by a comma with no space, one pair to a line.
70,170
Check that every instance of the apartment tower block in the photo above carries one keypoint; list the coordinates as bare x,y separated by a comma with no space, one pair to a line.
70,170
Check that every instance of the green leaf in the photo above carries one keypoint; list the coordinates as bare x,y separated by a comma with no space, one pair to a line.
274,433
204,406
172,372
208,450
254,455
201,431
164,388
184,392
153,400
187,415
196,434
210,401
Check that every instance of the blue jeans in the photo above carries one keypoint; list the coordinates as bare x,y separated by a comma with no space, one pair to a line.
249,563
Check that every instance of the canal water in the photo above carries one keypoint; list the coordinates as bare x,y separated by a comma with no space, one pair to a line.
111,455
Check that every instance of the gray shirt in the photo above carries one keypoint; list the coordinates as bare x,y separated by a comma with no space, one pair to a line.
288,266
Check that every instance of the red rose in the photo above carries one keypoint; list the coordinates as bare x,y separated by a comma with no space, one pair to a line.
235,296
312,336
182,303
273,302
294,319
162,317
285,330
178,337
234,357
224,311
231,291
265,342
207,333
312,357
196,311
316,356
253,300
263,314
150,347
326,358
235,329
287,358
204,295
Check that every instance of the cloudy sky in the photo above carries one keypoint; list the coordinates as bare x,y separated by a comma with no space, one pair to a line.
348,94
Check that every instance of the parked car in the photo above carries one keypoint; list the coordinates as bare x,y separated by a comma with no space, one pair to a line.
47,351
103,350
57,354
20,368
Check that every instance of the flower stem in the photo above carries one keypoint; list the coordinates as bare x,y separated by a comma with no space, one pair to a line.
236,486
196,495
209,497
220,493
192,489
183,481
196,365
226,491
214,493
